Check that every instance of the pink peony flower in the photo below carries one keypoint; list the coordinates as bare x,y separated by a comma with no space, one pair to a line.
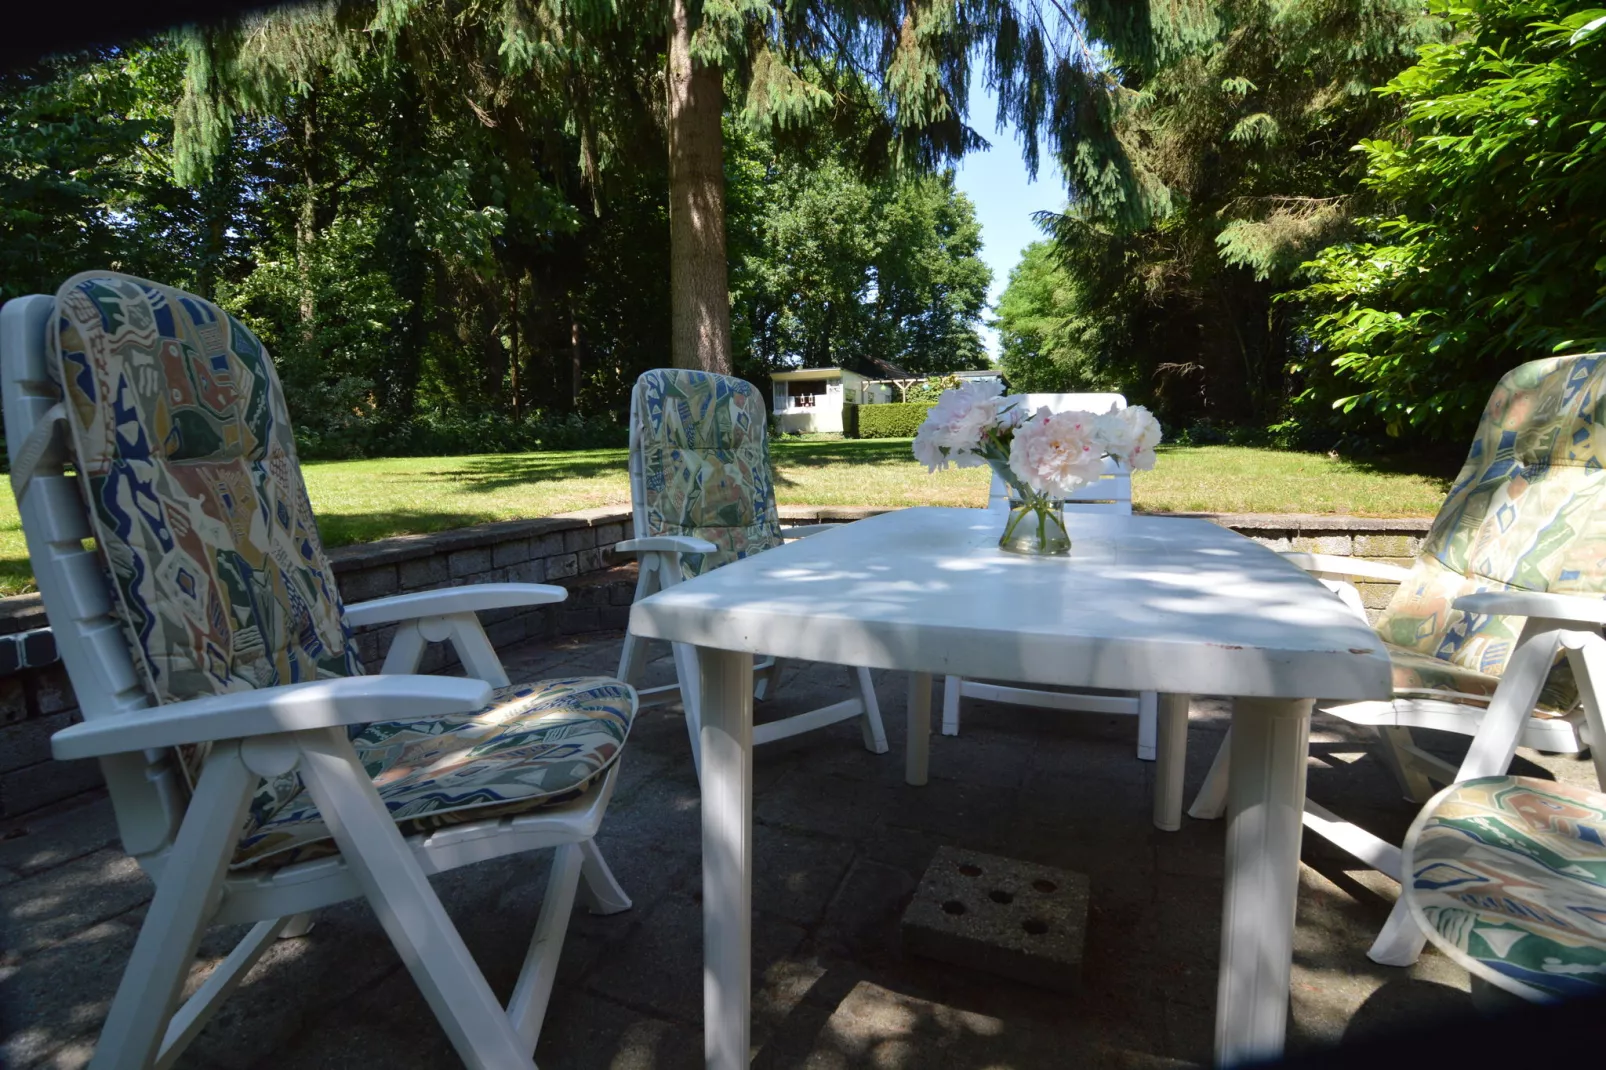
1055,453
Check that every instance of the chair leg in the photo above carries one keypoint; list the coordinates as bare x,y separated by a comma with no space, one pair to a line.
600,892
173,924
1401,941
223,980
633,654
1589,669
407,907
767,678
1148,724
527,1007
295,926
950,705
875,736
1413,782
1211,802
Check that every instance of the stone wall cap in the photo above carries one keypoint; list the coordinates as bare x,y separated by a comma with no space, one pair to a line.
833,512
399,548
21,613
1296,522
1303,522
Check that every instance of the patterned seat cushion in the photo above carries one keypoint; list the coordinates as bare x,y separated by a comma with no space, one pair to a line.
1508,878
533,745
1524,514
1421,674
1418,675
702,442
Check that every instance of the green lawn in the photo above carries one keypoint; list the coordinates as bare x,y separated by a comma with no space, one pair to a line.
362,500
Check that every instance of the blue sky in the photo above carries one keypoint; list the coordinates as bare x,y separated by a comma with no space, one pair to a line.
995,181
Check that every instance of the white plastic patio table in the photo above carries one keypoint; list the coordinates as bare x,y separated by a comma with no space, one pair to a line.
1173,605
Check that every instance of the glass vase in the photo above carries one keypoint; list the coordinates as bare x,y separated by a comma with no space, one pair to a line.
1036,525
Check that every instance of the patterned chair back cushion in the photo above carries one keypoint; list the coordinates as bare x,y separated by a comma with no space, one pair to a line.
700,464
1524,514
186,458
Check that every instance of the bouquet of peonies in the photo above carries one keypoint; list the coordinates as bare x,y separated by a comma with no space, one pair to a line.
1042,457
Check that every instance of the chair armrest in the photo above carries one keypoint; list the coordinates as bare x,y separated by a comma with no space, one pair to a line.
292,708
1568,607
442,601
1355,567
803,531
671,544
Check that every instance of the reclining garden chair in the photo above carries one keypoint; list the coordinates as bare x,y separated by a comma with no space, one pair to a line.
1493,629
701,488
1111,494
256,773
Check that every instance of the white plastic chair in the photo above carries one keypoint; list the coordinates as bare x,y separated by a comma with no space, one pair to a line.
1508,583
186,838
702,495
1111,494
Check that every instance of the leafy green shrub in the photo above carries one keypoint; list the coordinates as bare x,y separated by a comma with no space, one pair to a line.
898,420
850,419
930,390
1489,248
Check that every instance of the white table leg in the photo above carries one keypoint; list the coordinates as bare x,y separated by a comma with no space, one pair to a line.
917,755
1266,795
1171,754
727,786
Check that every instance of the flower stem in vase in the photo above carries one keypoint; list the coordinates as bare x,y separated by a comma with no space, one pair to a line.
1047,537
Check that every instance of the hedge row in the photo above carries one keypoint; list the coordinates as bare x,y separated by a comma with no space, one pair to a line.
898,420
442,436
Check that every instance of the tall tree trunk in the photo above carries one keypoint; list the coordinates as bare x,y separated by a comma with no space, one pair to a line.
409,262
513,356
699,292
215,198
576,374
307,217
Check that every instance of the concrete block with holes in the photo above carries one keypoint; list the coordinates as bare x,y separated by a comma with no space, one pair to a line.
1001,916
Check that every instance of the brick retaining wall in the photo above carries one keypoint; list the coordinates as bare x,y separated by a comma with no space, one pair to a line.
574,550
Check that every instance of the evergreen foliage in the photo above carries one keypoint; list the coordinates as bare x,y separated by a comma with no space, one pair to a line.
1236,125
1489,244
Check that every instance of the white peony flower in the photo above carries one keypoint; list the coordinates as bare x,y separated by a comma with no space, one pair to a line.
927,450
953,429
961,415
1130,435
1055,453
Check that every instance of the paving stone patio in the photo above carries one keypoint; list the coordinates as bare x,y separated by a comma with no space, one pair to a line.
841,843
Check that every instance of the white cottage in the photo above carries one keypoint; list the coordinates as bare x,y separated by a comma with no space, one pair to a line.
811,399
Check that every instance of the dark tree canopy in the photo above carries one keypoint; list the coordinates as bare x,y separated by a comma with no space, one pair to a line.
452,234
